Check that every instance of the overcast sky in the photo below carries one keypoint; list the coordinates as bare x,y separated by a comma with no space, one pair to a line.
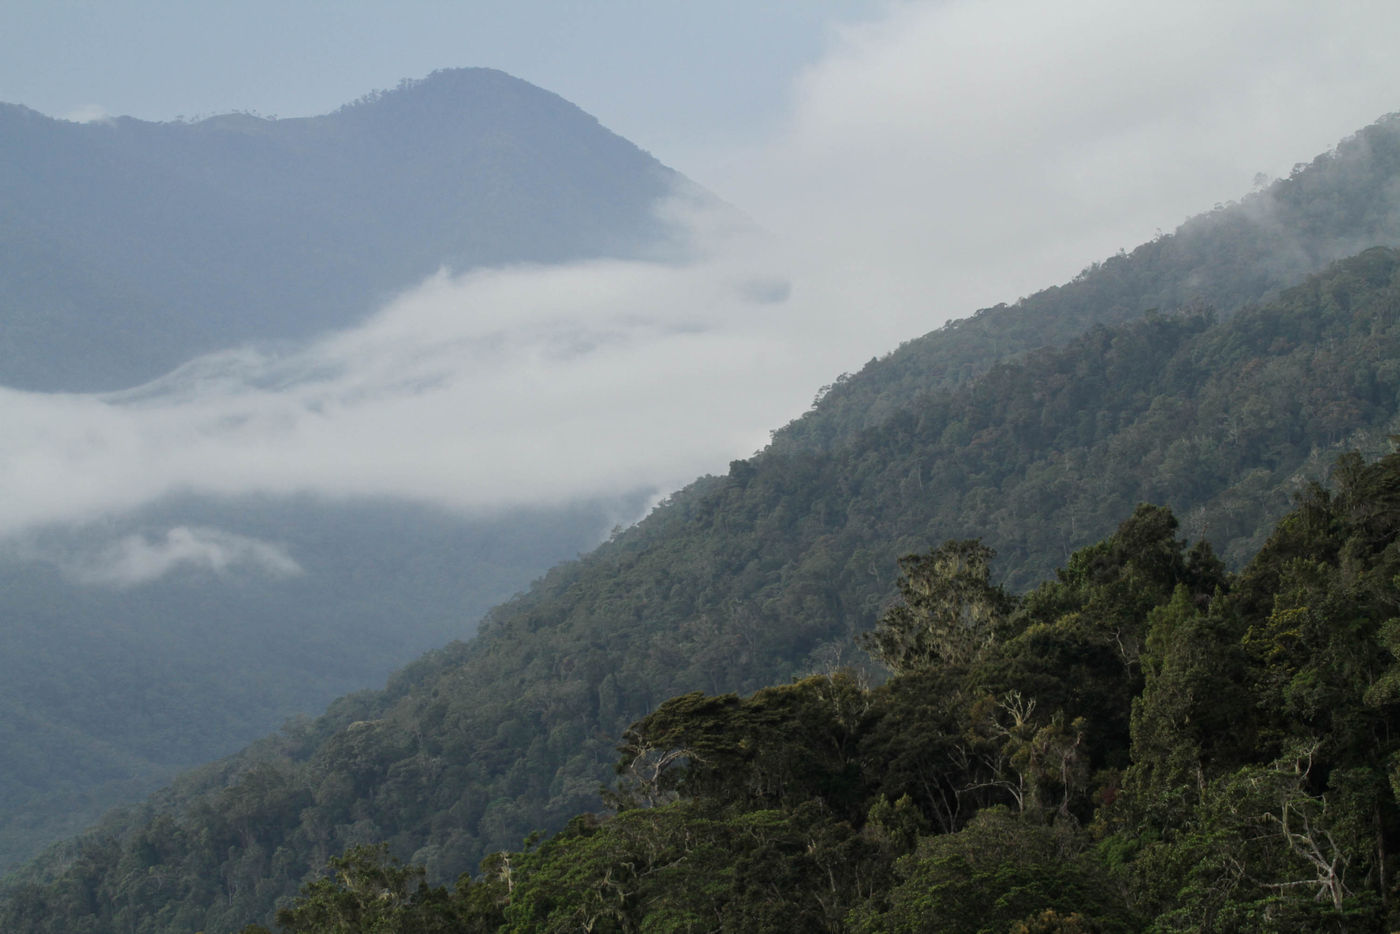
910,163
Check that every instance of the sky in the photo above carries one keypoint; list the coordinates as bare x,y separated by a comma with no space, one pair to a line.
907,163
676,78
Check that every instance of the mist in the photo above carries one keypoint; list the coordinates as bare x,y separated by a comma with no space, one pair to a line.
954,155
491,389
140,558
947,157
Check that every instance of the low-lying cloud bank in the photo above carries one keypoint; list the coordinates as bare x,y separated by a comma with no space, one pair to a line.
494,388
952,155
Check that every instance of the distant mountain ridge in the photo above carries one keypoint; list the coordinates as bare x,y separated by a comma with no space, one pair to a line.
128,247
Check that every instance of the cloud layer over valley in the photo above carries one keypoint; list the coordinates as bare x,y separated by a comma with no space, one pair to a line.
495,388
949,156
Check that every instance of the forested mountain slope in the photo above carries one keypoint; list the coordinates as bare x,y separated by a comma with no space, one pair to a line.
1340,203
129,247
1144,743
107,691
743,580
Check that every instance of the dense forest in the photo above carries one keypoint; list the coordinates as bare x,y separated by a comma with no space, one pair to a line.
1144,743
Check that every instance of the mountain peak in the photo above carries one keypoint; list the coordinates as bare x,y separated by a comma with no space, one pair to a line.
179,239
454,88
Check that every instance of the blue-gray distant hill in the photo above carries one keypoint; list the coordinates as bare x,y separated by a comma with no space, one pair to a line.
128,247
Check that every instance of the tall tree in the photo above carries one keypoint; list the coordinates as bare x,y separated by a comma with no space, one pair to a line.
949,611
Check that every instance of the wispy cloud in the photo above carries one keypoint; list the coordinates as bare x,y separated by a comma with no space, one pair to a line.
139,559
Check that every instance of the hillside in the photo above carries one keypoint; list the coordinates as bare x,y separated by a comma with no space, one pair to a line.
1143,743
161,675
741,581
135,244
1340,203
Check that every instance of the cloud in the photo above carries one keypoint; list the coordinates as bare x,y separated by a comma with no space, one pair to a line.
136,559
88,113
956,154
494,388
948,156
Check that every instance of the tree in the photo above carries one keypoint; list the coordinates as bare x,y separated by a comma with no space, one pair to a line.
367,892
950,611
996,872
782,746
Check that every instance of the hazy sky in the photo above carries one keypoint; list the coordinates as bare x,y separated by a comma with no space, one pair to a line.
676,78
911,162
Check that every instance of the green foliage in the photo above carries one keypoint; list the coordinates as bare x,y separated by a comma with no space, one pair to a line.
1225,259
912,746
369,893
687,867
992,874
1262,853
1193,708
1260,792
782,746
949,613
771,571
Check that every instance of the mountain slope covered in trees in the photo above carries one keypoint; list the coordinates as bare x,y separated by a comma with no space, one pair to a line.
741,581
1143,743
1342,202
107,691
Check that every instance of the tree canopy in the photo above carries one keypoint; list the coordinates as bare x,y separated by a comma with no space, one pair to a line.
1255,789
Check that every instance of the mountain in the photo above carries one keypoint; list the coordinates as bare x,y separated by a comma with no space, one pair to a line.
745,580
130,247
140,644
